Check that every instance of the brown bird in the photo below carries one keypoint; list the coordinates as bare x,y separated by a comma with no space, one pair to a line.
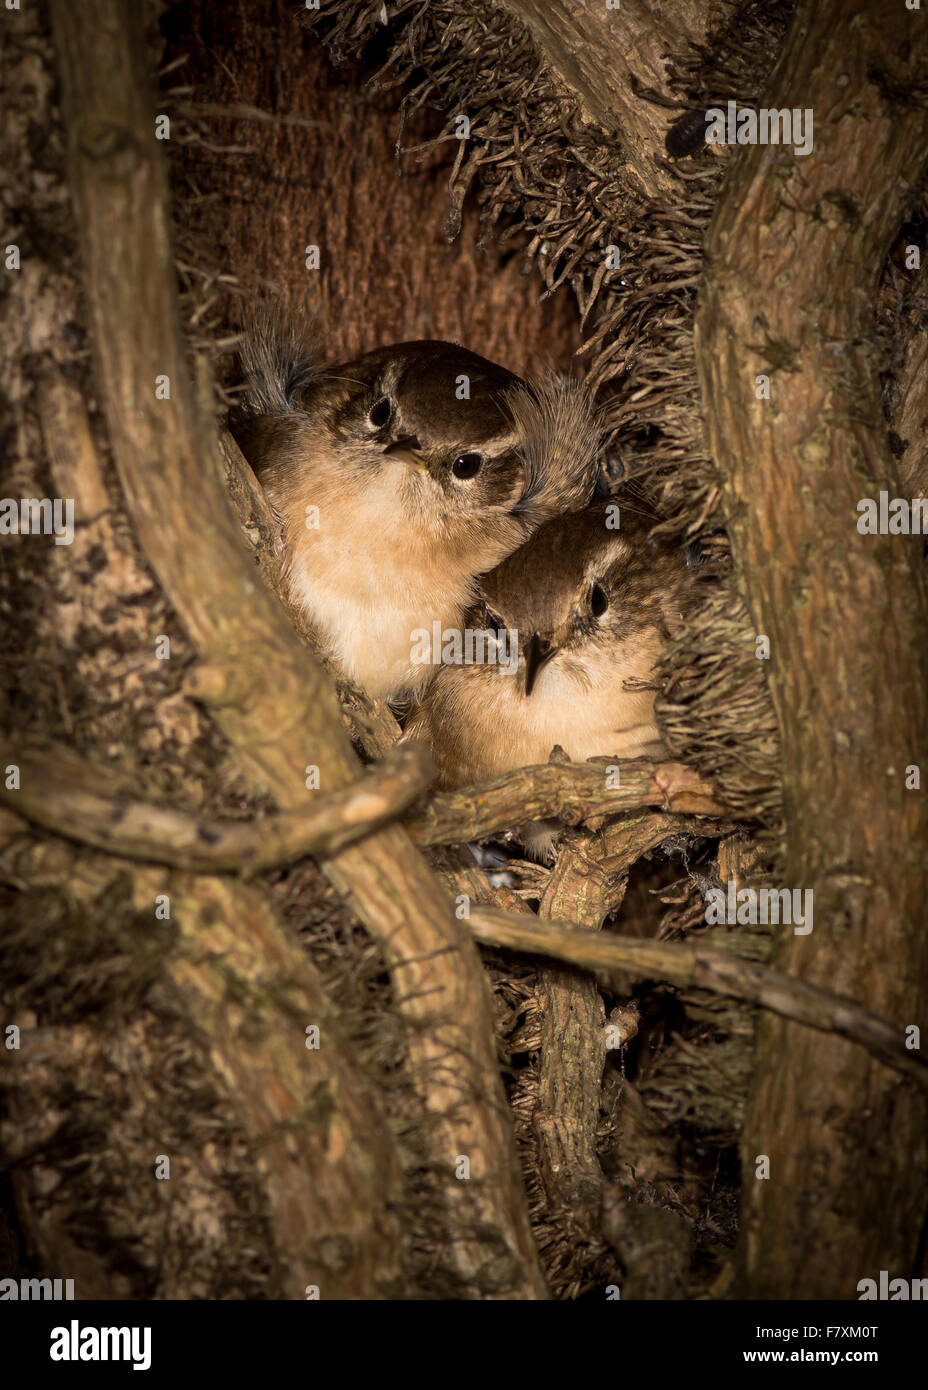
399,477
593,608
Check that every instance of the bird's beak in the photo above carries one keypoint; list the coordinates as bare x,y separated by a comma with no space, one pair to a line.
538,651
406,450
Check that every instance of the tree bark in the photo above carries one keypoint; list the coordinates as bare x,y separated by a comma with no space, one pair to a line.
89,802
602,55
327,1178
794,256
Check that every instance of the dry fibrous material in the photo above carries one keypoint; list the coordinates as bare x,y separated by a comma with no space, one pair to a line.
564,194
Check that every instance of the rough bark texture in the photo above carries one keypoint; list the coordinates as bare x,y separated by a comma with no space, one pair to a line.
795,253
587,884
325,170
84,800
606,55
572,793
707,966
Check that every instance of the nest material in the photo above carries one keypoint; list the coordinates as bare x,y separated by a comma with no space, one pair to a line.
701,1079
78,958
544,177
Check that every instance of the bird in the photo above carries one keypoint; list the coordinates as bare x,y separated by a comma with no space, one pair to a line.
590,603
398,477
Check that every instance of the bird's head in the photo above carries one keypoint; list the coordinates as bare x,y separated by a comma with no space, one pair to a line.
588,593
447,447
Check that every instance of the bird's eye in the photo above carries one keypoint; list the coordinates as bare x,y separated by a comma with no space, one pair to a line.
467,465
380,412
599,600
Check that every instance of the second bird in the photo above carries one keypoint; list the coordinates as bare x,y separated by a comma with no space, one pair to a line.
594,608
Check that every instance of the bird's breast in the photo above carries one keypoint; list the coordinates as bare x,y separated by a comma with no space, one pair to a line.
481,724
371,591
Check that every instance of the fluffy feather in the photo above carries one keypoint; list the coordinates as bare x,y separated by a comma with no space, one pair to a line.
560,442
278,362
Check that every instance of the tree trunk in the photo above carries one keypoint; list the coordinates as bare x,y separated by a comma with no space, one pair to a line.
796,248
605,56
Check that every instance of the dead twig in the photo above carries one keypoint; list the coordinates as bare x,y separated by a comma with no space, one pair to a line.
571,792
587,885
693,964
87,802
